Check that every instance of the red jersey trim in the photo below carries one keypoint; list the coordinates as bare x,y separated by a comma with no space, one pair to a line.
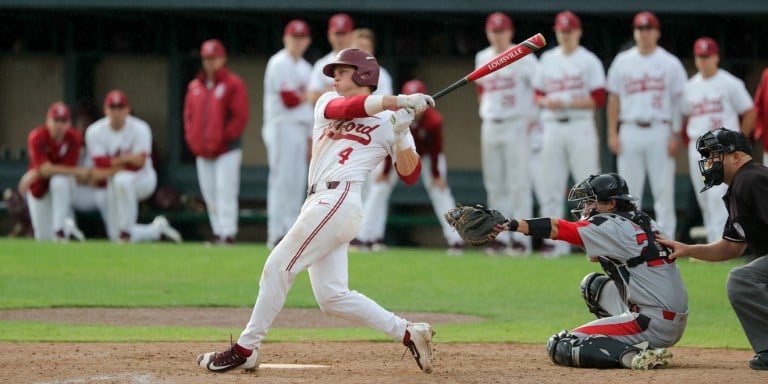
568,231
598,95
346,108
619,329
413,177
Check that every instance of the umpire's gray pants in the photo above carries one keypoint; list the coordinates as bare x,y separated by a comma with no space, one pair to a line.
747,288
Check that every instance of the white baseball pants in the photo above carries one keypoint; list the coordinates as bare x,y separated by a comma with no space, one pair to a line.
219,181
48,213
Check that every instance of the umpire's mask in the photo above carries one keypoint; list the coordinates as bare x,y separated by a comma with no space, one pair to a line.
712,147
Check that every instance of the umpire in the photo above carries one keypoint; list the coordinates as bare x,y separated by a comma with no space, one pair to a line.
725,158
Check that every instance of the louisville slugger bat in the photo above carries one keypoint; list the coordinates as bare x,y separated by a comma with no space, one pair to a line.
531,44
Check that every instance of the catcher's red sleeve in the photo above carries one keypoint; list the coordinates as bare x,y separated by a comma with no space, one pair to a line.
568,231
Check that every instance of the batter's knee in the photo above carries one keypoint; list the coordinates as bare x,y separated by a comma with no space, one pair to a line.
332,303
591,287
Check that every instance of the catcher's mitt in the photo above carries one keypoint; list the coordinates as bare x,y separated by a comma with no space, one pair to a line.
476,225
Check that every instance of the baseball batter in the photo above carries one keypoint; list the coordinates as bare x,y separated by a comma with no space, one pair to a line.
569,85
121,146
713,98
340,36
287,130
54,149
637,320
645,85
353,132
507,111
427,131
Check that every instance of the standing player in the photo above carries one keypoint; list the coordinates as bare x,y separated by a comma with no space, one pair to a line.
726,158
121,147
353,132
569,85
215,115
645,85
712,98
340,28
507,113
427,131
54,149
365,39
761,115
287,129
641,305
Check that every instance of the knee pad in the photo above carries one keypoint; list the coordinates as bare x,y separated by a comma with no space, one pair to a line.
560,348
589,352
591,286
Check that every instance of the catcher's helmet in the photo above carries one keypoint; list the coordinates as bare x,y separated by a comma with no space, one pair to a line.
605,187
712,146
367,73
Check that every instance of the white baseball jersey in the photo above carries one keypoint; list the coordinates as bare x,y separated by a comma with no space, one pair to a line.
318,81
567,77
135,137
647,85
714,102
284,73
367,140
507,92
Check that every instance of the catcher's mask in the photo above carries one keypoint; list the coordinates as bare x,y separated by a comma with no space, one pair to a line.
605,187
712,147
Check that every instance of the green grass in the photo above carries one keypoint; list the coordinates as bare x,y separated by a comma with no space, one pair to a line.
522,300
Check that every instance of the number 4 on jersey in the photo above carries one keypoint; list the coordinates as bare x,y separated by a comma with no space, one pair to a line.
344,154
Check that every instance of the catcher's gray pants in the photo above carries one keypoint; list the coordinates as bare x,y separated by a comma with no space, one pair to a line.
747,289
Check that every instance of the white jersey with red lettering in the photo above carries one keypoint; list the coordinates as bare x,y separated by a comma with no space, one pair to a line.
567,77
507,92
347,150
714,102
135,137
647,85
284,73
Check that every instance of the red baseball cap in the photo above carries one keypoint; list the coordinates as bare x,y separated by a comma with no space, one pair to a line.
498,21
414,86
58,111
567,21
705,46
212,48
340,23
646,20
296,27
116,98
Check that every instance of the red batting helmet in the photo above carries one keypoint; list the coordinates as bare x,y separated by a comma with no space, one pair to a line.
414,86
367,73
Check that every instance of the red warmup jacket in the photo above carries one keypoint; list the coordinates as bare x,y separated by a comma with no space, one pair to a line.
214,119
761,107
44,149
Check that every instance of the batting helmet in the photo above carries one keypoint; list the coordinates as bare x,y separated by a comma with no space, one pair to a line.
367,68
605,187
712,146
414,86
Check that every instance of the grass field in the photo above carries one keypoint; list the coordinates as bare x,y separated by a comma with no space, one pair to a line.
523,299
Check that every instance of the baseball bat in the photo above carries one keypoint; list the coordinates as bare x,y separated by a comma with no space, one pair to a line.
531,44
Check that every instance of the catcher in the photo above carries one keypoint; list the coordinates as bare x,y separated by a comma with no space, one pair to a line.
640,302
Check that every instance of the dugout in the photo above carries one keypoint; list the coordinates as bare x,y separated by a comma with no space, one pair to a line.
77,50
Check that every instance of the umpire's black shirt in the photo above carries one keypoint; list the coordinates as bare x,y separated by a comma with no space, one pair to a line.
747,203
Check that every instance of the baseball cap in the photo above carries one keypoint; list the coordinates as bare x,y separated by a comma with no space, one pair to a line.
414,86
646,20
497,22
212,48
116,98
567,21
296,27
340,23
58,111
705,46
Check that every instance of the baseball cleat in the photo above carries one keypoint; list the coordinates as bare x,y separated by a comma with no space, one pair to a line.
161,223
651,358
227,360
418,339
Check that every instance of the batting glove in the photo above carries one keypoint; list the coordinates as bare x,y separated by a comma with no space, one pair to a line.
401,121
418,101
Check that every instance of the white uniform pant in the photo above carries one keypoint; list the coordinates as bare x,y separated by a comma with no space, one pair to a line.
318,242
377,202
49,212
506,177
644,151
286,144
622,325
219,180
125,189
713,211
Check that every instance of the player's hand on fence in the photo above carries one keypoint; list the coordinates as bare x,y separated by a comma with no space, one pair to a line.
418,101
401,121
